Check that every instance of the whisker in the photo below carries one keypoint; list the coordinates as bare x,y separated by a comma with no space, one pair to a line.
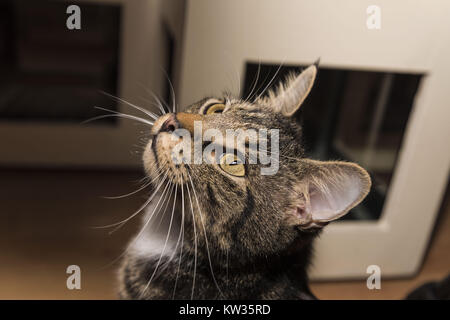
255,82
161,105
174,108
123,223
146,224
120,223
166,202
130,193
230,75
112,116
153,104
124,114
206,237
118,115
270,82
143,179
181,234
157,102
195,243
165,243
154,210
147,112
142,229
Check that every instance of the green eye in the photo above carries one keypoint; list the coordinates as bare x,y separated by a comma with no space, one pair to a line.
231,164
215,108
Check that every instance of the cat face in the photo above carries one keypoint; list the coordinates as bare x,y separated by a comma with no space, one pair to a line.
229,204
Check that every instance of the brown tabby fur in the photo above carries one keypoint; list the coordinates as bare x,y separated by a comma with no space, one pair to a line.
240,237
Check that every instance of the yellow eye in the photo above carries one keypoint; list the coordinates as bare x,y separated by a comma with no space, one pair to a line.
231,164
215,108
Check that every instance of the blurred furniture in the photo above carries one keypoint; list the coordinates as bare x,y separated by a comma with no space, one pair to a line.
51,78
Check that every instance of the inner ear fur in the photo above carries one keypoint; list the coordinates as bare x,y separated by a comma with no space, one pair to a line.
291,93
328,190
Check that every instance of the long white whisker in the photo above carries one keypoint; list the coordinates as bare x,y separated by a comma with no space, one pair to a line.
115,116
154,210
166,202
145,185
161,104
255,82
157,100
143,228
154,104
118,115
124,114
174,108
149,113
123,223
178,240
120,223
165,243
206,237
270,82
195,244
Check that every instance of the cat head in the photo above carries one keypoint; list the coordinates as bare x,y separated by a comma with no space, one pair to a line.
228,201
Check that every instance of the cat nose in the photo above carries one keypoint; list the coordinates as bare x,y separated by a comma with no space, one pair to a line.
170,125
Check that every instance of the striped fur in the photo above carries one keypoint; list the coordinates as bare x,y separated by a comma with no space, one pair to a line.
242,238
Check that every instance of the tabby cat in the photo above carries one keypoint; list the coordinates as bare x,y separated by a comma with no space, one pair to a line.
223,230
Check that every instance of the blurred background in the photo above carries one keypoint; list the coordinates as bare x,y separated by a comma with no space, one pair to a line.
380,99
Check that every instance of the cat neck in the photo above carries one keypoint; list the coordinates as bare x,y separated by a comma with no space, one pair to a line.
216,274
282,276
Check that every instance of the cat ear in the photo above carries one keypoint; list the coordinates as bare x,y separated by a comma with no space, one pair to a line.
328,191
290,95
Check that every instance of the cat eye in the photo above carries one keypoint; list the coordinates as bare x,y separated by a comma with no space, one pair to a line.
231,164
215,108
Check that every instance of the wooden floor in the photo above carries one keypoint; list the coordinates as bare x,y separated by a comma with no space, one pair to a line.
48,220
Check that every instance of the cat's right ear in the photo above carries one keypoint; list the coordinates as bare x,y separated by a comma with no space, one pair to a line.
290,94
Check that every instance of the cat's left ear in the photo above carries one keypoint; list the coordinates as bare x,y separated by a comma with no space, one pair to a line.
290,95
326,191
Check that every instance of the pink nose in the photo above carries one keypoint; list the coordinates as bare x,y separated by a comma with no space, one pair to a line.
170,125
